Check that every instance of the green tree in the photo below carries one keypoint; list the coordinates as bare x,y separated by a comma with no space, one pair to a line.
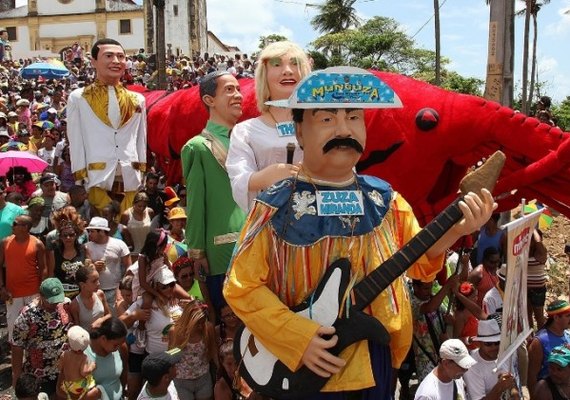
274,37
335,16
457,83
379,43
561,114
320,61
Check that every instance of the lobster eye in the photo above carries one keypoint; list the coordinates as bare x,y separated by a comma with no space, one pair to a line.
427,119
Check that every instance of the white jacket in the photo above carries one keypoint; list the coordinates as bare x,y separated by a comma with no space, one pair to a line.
96,148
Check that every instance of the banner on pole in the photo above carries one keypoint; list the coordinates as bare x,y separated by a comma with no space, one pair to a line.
515,328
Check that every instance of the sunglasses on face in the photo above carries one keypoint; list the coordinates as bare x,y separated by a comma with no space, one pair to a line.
491,344
163,287
68,235
14,224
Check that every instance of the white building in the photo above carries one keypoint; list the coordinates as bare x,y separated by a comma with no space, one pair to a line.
53,25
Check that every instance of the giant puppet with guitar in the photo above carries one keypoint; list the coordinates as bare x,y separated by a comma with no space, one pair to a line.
316,275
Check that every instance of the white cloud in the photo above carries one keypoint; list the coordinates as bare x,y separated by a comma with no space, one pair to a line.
246,22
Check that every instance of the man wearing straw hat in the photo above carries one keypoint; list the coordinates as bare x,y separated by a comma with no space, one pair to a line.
482,381
299,226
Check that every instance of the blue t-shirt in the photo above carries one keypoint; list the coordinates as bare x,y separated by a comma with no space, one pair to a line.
7,216
108,372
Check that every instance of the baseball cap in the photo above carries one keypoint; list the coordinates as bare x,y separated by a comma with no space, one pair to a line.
340,87
455,350
171,196
52,110
164,276
52,290
156,365
49,177
78,338
98,223
560,355
12,114
177,213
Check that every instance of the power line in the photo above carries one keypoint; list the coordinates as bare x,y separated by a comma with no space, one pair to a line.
428,21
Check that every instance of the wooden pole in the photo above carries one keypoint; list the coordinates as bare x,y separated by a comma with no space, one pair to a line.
500,60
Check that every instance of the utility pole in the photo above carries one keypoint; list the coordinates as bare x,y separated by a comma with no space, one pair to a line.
437,43
500,61
160,45
149,22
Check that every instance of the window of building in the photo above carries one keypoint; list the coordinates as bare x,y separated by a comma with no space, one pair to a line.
175,9
12,33
124,26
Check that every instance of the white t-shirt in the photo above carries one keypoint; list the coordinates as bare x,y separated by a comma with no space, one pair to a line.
431,388
47,155
480,378
171,393
156,340
492,301
112,252
254,146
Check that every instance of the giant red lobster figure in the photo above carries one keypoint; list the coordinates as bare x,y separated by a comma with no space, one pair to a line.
422,149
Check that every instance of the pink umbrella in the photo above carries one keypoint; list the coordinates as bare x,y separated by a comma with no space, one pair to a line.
21,159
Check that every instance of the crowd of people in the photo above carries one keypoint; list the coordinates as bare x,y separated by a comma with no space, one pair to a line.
114,292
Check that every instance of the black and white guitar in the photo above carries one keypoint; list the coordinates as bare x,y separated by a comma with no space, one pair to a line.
266,374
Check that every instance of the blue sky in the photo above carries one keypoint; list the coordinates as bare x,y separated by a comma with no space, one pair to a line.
464,26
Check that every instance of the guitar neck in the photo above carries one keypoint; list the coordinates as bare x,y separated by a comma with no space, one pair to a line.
379,279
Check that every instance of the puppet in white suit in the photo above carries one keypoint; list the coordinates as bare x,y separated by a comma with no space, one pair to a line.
107,130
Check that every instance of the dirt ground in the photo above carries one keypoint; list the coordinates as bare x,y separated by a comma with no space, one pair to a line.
555,238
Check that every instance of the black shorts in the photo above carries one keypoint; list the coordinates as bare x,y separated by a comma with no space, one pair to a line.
48,386
536,296
135,362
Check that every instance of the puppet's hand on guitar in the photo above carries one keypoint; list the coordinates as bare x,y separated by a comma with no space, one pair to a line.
316,356
477,209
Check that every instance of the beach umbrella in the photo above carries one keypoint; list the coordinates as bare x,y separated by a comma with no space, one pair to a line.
14,158
13,145
45,124
47,70
545,219
174,250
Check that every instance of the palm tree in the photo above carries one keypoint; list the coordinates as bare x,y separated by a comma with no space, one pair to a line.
527,11
335,16
533,8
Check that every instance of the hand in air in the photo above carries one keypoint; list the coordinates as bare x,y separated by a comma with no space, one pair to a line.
476,211
316,356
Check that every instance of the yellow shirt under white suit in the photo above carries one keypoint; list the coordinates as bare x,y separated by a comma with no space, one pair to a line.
104,152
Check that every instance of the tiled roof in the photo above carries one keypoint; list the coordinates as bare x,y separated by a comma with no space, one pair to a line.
15,12
112,6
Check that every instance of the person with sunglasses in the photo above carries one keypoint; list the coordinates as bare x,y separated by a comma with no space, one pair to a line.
164,312
68,257
482,379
